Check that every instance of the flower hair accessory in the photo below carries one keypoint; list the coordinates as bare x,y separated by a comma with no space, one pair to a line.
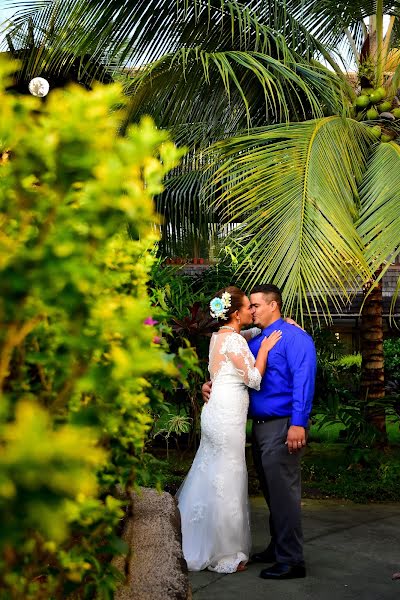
219,306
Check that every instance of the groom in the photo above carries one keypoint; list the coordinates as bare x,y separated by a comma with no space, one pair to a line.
280,411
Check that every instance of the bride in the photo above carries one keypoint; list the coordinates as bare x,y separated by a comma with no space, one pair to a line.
213,499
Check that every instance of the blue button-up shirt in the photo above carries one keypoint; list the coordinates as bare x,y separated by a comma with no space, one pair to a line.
287,388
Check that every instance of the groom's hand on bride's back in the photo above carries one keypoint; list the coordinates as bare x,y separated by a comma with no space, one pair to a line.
206,390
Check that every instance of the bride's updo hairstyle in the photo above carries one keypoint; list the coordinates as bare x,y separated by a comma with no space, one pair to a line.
231,299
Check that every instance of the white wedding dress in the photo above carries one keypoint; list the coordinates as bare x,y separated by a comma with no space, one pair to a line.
213,499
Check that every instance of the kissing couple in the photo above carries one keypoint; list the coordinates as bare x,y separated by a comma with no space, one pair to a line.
266,372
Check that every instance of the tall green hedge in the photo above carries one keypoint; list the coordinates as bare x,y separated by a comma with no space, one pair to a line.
75,351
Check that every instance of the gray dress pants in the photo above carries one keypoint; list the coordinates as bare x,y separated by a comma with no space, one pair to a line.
280,478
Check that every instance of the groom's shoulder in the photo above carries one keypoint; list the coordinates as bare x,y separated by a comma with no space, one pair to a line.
295,333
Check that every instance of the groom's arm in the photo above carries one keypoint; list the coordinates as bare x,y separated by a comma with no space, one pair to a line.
302,362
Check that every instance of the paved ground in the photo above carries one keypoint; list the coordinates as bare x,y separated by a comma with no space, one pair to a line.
351,552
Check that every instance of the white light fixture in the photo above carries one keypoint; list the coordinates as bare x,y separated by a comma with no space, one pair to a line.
39,87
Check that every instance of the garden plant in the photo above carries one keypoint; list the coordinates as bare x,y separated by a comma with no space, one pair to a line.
77,348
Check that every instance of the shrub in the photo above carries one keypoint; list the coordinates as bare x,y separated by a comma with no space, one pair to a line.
363,475
338,399
349,362
391,350
75,354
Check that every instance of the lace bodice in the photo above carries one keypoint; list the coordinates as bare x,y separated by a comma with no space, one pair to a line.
230,354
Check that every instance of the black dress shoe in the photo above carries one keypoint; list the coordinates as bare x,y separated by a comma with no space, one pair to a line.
266,556
283,571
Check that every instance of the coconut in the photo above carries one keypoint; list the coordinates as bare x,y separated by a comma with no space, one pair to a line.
377,95
372,114
376,131
396,113
362,101
386,137
384,106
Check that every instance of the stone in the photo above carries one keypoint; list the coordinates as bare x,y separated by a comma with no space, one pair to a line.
155,566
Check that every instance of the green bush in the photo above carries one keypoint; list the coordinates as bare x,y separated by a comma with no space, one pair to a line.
338,400
180,304
391,350
75,354
348,362
362,475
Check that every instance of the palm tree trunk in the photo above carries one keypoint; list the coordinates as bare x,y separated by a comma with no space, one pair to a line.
372,366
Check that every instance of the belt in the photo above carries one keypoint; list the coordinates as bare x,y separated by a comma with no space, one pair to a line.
268,419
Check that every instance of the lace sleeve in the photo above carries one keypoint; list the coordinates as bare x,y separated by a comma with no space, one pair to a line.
237,351
248,334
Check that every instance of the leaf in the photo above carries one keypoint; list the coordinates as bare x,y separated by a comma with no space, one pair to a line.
379,222
292,191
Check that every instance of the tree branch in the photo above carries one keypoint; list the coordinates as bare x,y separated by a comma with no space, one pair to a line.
16,334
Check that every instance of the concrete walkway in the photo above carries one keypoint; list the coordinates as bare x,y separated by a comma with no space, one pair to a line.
351,552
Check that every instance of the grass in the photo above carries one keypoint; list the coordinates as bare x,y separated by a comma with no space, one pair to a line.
331,433
333,469
361,475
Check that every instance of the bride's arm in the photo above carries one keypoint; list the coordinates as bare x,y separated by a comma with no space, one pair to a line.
252,370
248,334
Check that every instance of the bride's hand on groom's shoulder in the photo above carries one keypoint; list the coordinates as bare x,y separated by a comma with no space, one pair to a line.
270,341
293,322
206,391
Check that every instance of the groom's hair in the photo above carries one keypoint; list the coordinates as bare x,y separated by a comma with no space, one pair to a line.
269,289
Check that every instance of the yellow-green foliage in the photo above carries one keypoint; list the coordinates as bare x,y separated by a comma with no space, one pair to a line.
76,217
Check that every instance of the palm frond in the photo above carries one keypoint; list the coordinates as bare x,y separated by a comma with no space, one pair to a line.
294,190
142,31
187,230
236,88
147,29
327,20
43,34
379,222
394,83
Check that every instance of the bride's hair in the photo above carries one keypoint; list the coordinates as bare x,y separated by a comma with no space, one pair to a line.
237,296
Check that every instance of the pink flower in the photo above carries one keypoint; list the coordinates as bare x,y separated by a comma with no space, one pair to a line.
156,339
150,321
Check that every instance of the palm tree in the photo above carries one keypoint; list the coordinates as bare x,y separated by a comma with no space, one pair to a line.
322,197
203,69
311,190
